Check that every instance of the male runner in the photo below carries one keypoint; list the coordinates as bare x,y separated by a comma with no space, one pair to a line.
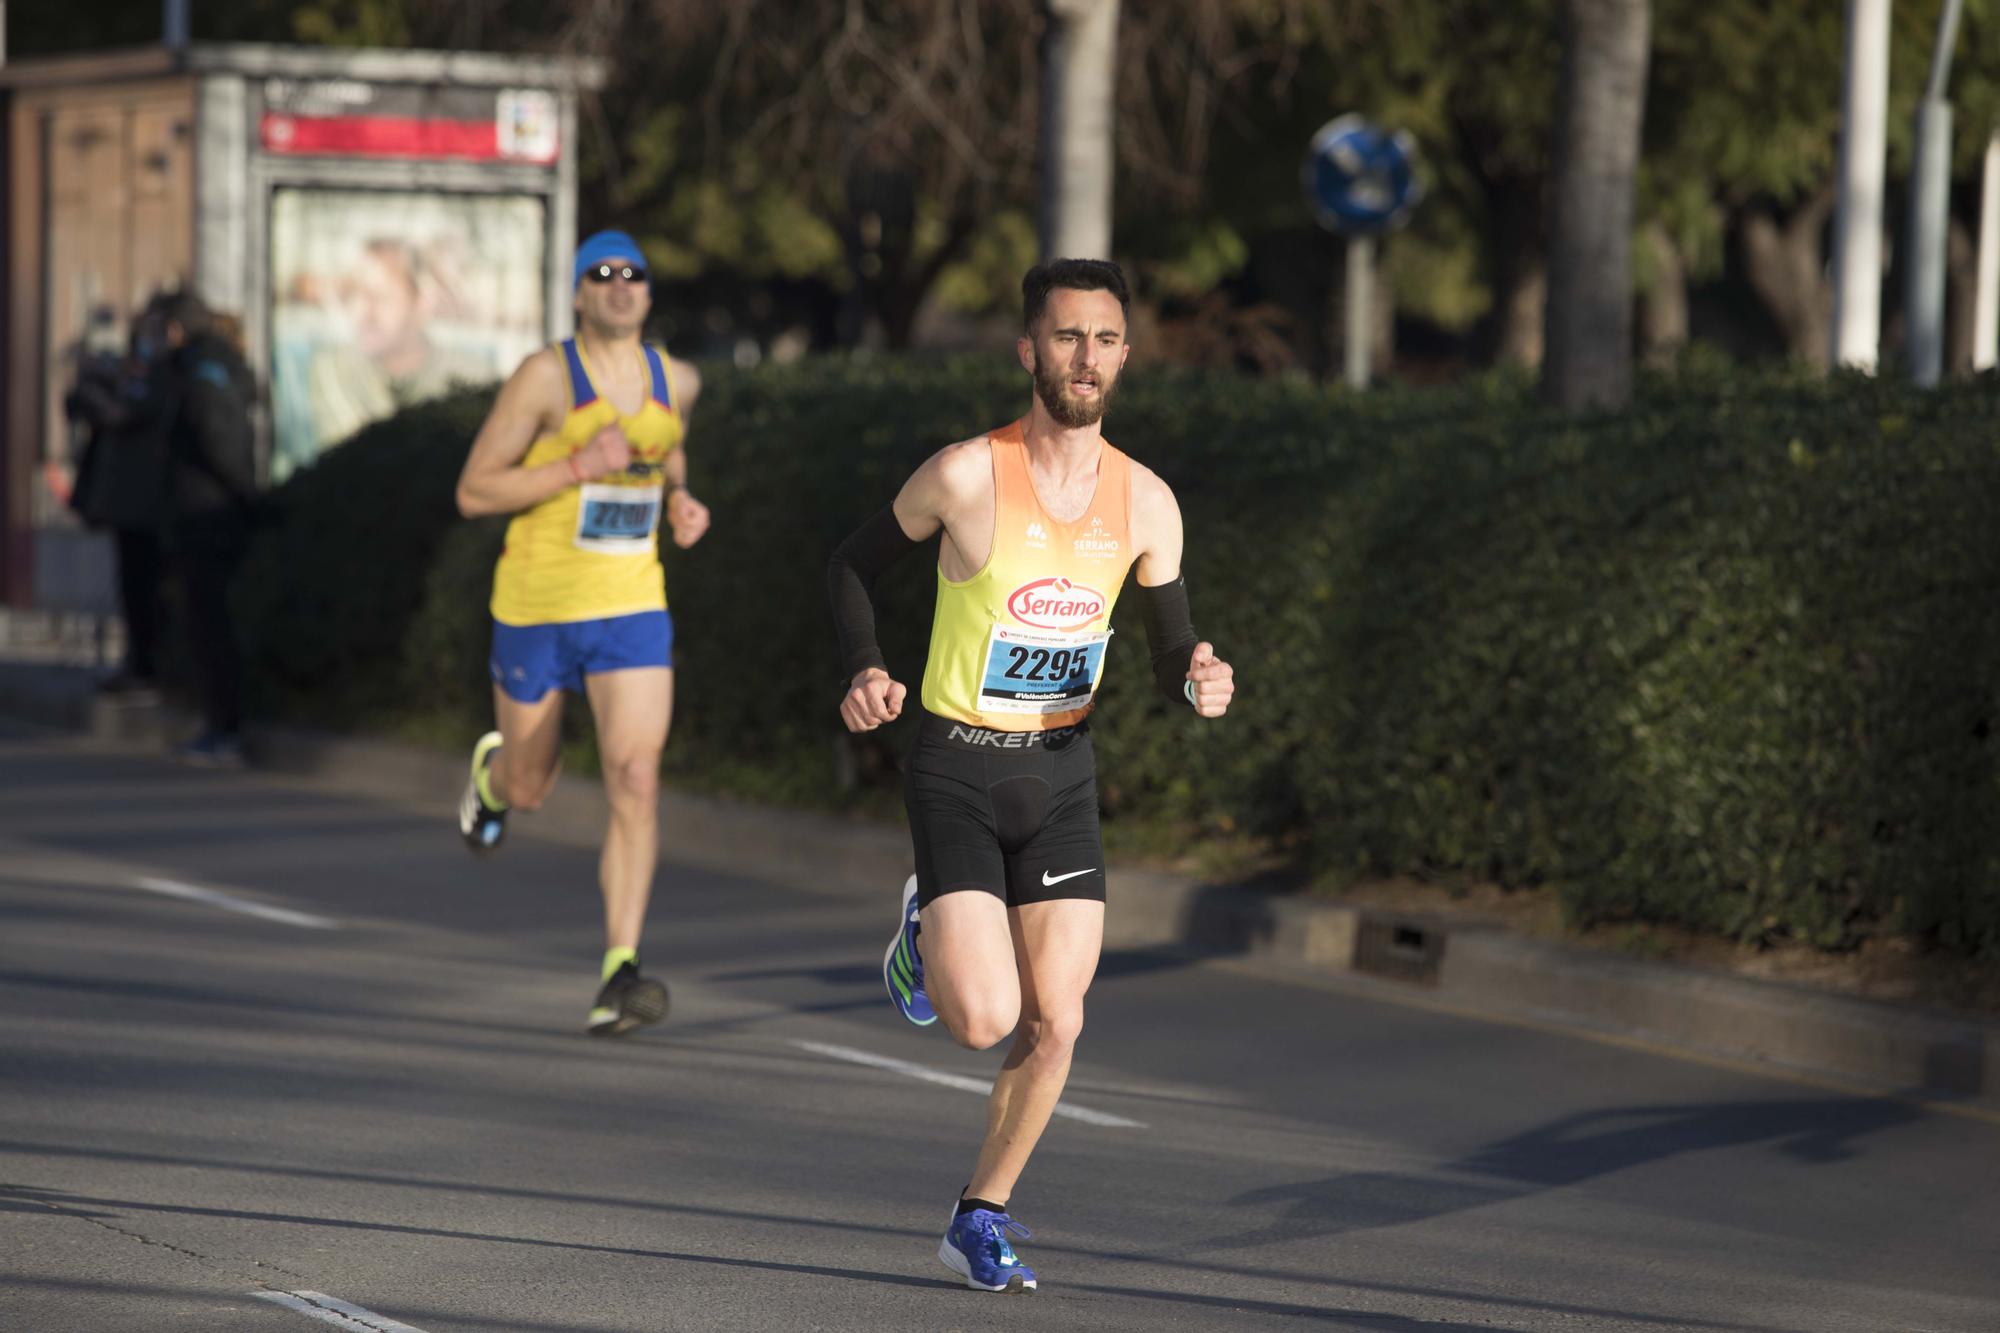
585,446
999,930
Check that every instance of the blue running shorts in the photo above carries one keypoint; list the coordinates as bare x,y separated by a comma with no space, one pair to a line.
530,660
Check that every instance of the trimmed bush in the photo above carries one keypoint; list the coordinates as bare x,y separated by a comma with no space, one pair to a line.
1724,660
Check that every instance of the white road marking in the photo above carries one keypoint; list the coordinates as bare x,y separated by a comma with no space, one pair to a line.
959,1081
327,1310
229,902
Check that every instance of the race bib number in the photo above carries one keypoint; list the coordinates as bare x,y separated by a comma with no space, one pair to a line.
617,520
1036,672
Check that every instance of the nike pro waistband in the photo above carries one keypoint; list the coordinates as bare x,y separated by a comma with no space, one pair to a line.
965,736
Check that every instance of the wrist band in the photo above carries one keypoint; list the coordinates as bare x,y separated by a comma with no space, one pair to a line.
575,472
1190,693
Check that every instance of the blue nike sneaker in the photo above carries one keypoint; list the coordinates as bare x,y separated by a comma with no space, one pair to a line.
903,966
975,1247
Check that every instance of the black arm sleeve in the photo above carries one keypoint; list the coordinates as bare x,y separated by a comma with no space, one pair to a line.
850,582
1170,634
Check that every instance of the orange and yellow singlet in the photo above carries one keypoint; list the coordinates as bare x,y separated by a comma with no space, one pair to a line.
1019,646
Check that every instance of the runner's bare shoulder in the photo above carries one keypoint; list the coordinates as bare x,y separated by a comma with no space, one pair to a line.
538,388
1152,499
963,471
541,371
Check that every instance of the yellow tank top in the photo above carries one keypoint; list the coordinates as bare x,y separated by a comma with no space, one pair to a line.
590,552
1019,646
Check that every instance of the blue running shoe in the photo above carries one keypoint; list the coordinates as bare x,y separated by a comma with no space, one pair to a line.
975,1247
903,966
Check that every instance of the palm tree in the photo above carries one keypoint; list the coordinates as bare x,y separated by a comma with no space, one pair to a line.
1603,99
1079,83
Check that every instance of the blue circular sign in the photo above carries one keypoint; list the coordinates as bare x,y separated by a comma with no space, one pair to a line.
1360,179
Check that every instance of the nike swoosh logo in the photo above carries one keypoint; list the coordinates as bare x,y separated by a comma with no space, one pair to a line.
1047,879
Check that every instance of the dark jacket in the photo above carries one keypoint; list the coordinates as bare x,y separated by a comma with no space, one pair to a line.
207,392
121,478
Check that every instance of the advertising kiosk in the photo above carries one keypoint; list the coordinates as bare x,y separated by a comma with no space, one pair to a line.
378,225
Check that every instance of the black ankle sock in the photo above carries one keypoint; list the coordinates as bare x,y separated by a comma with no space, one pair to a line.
967,1205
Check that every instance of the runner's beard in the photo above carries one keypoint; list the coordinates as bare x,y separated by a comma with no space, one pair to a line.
1052,387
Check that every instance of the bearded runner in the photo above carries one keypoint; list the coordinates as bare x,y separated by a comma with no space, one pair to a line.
1038,524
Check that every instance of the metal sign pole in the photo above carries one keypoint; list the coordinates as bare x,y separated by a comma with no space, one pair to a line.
1360,182
1360,276
1930,205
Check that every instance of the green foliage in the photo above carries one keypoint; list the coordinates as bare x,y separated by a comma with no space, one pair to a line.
378,23
338,593
989,277
1719,662
1725,660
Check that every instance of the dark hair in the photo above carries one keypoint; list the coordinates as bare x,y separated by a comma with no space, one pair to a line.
179,306
1082,275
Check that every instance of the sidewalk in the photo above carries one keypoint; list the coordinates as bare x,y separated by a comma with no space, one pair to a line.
1886,1048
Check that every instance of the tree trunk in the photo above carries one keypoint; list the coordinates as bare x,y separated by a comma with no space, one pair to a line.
1786,265
1517,259
1663,319
1589,340
1079,74
1961,298
877,230
1523,309
903,298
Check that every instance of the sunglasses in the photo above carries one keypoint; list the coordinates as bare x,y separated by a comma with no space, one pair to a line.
606,272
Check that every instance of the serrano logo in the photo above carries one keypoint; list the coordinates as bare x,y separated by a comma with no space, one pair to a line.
1055,604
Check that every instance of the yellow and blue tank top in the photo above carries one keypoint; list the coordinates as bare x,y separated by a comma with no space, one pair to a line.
1019,646
591,552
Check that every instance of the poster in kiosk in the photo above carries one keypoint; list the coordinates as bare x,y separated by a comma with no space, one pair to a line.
385,298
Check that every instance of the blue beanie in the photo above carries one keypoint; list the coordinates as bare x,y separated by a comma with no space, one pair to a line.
602,246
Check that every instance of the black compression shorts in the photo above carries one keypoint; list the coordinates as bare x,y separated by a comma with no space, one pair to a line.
1011,813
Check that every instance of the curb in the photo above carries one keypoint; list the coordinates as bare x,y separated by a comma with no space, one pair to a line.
1902,1048
1895,1049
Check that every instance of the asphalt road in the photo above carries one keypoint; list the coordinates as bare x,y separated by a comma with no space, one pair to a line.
377,1092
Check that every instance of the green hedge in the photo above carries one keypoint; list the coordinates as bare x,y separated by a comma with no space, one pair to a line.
1725,660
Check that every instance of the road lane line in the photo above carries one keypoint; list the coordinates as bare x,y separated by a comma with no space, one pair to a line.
959,1081
327,1310
229,902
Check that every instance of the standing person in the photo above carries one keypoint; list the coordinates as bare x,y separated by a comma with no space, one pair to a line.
586,446
202,389
121,485
1000,928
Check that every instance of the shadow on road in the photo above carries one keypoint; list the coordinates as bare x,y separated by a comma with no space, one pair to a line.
1568,1151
